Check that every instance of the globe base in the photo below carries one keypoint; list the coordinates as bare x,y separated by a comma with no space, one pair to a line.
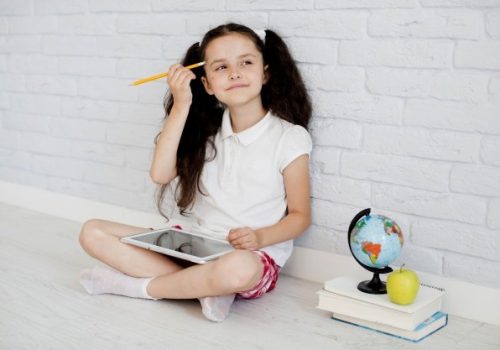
374,286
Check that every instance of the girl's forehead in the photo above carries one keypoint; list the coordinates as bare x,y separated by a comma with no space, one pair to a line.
230,45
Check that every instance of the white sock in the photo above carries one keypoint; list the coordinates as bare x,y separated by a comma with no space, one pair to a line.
106,280
217,308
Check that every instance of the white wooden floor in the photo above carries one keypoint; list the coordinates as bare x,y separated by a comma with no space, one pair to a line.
42,306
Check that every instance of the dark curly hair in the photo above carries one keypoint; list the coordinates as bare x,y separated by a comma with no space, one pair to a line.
284,95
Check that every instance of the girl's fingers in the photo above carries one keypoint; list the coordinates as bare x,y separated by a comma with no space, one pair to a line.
177,71
172,69
242,241
233,240
186,78
173,77
173,73
231,235
237,239
180,77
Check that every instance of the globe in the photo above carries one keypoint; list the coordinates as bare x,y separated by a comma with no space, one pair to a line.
375,242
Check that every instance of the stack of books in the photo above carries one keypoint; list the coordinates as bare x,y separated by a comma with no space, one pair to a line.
412,322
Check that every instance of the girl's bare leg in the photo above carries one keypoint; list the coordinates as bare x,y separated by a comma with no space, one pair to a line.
101,240
234,272
214,283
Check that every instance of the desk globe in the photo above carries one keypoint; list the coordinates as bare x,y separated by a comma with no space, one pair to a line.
375,242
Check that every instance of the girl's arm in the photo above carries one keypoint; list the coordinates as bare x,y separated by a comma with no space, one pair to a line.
298,219
163,168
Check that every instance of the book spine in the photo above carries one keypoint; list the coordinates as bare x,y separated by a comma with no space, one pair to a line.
437,329
428,311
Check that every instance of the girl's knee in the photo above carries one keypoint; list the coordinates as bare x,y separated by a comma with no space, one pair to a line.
239,270
90,233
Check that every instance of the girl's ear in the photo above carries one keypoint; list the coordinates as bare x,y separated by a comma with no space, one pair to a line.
266,74
206,85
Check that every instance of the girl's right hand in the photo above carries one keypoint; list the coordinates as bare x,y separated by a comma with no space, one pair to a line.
178,80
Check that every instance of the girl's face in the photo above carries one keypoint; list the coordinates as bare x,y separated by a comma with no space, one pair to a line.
234,70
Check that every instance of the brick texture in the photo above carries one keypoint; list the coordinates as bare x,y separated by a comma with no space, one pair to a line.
406,98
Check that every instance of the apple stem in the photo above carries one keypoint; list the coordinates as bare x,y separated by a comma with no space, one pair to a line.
401,268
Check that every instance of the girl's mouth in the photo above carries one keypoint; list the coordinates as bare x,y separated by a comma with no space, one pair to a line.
236,86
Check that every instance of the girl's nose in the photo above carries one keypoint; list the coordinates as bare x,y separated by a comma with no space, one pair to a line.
234,75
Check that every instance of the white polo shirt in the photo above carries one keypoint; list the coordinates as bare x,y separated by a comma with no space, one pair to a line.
243,184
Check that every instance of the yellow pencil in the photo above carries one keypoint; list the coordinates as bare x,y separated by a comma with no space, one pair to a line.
161,75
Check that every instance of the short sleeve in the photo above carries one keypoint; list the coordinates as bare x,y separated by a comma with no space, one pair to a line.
296,142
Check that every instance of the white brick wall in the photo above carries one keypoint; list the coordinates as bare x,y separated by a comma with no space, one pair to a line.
406,100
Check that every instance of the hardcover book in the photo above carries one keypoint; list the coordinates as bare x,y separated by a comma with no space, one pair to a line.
422,331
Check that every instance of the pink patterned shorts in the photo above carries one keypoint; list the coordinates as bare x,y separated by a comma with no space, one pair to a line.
268,280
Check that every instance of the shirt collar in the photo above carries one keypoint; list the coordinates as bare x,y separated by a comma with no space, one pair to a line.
247,136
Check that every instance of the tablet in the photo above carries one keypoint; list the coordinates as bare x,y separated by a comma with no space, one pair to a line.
194,247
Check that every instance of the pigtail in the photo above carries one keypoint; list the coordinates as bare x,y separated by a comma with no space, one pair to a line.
203,121
285,93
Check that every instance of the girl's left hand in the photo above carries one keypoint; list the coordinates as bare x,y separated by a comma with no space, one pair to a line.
243,238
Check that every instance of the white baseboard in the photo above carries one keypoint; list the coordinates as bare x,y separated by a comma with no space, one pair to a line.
462,298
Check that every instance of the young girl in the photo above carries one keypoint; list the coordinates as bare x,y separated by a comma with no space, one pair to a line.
236,140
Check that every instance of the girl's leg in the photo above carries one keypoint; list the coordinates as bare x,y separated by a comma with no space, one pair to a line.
234,272
101,240
215,283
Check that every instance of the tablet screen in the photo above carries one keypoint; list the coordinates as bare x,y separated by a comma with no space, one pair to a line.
184,243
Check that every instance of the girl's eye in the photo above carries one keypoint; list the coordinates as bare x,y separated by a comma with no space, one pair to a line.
220,67
247,63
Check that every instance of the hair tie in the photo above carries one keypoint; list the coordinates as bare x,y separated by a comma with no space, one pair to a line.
261,33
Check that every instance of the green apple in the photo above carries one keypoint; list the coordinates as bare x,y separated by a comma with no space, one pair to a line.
402,286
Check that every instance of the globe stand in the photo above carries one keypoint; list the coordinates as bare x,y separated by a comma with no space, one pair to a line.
374,286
